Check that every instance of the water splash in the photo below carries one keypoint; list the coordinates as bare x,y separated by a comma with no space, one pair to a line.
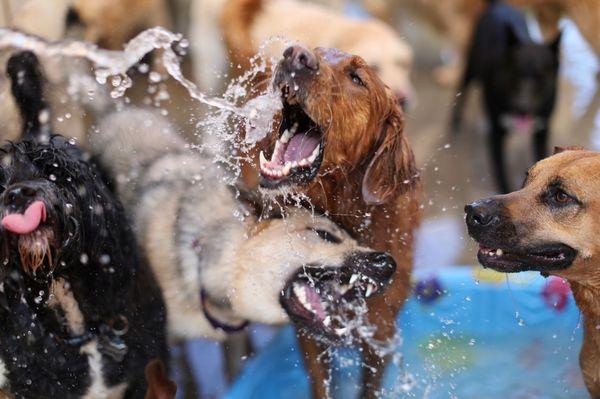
112,64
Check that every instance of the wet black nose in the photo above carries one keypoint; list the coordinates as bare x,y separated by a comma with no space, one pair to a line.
298,58
483,213
19,195
379,265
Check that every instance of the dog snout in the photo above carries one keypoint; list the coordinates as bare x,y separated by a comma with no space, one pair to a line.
377,265
483,213
20,195
300,59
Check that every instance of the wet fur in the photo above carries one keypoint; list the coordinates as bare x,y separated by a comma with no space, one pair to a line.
185,219
368,182
36,318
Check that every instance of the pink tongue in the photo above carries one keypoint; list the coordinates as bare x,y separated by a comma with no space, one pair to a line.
25,224
523,123
300,146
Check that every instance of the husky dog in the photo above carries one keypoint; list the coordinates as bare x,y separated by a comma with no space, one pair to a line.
218,265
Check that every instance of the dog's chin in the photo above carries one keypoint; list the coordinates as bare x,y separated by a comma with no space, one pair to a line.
297,154
541,258
36,251
322,301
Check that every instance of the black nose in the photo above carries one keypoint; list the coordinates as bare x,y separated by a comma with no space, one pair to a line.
377,265
483,213
298,58
19,195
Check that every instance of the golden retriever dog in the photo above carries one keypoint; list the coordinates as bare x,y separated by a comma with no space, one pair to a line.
218,265
341,143
246,24
551,226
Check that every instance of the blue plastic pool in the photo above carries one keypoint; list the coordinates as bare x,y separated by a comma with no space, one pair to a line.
468,333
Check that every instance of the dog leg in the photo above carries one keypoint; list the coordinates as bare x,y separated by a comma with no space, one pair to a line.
317,364
496,145
540,144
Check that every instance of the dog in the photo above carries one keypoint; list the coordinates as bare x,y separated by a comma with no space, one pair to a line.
218,265
80,311
159,385
550,226
341,144
519,81
245,24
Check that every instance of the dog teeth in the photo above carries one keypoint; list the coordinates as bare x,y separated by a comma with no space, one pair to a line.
327,321
344,288
314,154
370,290
354,278
263,160
286,169
341,331
286,136
499,252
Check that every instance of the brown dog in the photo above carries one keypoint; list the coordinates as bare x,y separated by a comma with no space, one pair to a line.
159,384
551,226
341,143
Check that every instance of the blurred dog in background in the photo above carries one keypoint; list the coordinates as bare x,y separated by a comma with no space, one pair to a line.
519,79
246,24
550,226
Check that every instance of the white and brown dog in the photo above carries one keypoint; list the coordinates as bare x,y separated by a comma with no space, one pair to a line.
218,266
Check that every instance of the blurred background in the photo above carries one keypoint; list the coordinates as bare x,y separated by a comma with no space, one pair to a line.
431,38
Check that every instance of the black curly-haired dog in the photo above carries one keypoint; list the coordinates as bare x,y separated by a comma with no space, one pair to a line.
80,312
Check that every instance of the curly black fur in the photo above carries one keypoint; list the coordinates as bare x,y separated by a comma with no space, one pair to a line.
94,250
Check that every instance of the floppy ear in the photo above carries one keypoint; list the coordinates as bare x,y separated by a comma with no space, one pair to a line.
558,149
391,170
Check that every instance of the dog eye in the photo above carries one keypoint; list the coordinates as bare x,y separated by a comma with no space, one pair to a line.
327,236
559,198
562,197
356,79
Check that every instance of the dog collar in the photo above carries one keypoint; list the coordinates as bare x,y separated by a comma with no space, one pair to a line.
215,322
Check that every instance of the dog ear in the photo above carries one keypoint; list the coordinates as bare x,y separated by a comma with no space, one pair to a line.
159,385
392,168
558,149
512,37
555,44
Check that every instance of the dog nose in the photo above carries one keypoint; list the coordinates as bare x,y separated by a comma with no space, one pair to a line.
20,195
379,265
482,213
300,58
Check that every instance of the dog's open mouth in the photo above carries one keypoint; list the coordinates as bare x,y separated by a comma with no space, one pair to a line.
321,300
298,152
543,258
33,237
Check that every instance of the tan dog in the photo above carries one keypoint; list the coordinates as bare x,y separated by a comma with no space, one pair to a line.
551,225
246,24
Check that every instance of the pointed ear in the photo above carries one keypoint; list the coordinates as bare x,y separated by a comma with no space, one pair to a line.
512,37
558,149
392,170
555,44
